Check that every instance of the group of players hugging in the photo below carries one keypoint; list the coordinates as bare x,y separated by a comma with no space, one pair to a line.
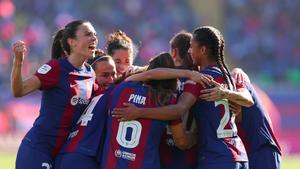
184,110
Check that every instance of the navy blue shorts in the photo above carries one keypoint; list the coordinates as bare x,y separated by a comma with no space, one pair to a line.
75,161
228,165
267,157
30,158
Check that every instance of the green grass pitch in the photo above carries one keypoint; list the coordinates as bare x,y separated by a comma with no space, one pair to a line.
7,161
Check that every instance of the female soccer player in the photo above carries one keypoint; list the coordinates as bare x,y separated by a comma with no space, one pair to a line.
105,70
255,130
171,156
67,83
121,48
254,127
218,143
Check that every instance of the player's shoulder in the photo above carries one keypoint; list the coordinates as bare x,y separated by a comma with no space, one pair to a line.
213,71
49,66
124,87
131,84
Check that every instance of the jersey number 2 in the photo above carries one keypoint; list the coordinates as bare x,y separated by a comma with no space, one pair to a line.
227,118
129,133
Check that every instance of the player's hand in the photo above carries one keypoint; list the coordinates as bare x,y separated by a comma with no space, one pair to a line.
203,79
216,93
127,113
239,76
237,111
19,50
235,108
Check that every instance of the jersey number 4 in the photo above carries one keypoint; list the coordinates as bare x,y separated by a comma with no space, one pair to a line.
87,114
227,119
129,133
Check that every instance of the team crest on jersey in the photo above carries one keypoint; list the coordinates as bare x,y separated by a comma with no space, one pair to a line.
44,69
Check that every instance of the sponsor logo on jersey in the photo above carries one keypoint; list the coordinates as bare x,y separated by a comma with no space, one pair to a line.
74,100
77,100
125,155
44,69
138,99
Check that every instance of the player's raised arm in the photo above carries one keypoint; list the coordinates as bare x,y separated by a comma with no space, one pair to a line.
21,87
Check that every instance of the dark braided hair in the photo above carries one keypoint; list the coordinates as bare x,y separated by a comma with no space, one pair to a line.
223,62
214,41
60,46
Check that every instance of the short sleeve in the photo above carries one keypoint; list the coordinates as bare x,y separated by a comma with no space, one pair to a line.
49,74
192,87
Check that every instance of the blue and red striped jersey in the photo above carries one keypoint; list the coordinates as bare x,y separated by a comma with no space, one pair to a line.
255,129
66,91
132,144
88,135
217,132
172,157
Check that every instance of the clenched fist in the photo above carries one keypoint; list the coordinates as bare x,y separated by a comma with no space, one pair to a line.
19,50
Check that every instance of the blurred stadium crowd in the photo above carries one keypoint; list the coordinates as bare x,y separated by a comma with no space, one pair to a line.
262,37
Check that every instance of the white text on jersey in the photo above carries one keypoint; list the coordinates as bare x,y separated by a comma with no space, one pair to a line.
134,98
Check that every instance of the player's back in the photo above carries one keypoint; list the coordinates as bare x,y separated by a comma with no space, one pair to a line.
255,129
132,144
217,133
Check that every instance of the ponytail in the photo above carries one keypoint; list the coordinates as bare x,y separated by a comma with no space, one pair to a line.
60,46
181,42
57,50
